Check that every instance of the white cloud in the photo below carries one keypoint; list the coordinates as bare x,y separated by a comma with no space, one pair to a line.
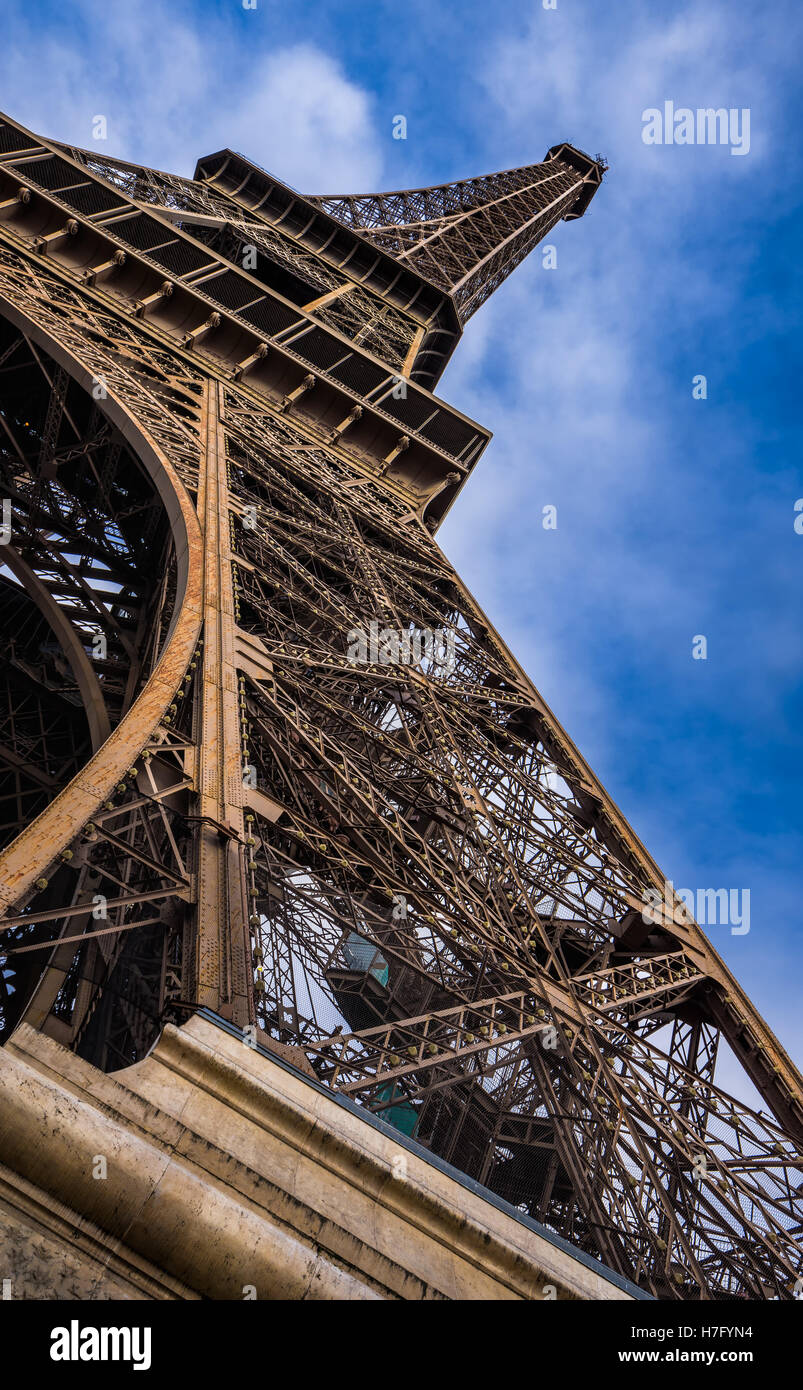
318,123
174,85
592,82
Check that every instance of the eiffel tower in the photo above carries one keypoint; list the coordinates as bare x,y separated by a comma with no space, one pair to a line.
263,754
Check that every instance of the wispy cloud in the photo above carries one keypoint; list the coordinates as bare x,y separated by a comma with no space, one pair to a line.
174,85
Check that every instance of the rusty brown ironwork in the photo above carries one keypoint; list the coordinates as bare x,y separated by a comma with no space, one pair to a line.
234,776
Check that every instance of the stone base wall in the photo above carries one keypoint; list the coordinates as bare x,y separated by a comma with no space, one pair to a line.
210,1170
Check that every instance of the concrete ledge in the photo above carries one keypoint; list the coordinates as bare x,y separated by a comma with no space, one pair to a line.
228,1172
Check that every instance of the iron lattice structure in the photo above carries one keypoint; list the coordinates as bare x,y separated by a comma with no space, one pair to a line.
222,459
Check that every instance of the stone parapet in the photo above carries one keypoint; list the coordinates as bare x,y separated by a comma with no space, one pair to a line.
229,1174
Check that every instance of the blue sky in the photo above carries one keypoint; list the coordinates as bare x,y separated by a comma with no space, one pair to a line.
675,516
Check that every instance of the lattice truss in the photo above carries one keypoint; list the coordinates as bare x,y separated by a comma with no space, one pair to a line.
441,910
468,236
90,553
437,901
117,973
352,309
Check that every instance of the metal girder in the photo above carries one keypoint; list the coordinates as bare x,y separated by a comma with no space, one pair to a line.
399,865
467,237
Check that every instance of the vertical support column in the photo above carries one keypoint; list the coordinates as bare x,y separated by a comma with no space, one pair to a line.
222,952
